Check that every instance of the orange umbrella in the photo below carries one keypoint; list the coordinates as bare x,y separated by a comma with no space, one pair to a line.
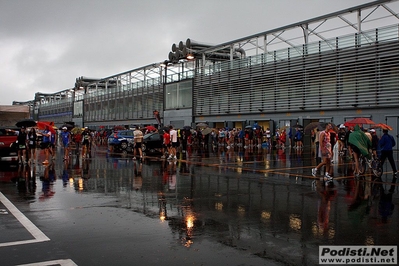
359,121
383,126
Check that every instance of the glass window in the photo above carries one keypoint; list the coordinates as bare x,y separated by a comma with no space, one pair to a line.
178,95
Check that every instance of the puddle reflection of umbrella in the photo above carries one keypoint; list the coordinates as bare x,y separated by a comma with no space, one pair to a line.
359,121
383,126
26,123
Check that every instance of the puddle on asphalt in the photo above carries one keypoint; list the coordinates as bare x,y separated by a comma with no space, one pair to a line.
265,203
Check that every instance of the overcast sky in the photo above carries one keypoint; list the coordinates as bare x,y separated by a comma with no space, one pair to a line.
46,44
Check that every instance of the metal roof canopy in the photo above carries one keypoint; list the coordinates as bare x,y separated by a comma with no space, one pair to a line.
348,21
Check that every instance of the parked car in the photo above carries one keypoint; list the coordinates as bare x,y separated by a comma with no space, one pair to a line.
8,147
121,141
152,143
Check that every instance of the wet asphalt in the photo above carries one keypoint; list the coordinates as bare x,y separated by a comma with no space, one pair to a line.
209,207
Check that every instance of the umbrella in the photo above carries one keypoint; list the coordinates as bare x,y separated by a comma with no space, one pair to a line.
248,127
359,121
202,125
311,126
163,129
76,130
26,123
68,126
187,128
151,128
43,125
206,131
383,126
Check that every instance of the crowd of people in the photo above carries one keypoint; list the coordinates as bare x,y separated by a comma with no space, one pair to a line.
353,142
29,139
248,138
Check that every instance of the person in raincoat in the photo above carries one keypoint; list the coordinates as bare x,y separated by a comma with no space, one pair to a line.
360,144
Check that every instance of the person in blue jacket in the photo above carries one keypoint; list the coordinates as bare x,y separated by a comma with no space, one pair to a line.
385,144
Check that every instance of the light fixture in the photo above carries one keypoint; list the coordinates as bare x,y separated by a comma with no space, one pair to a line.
190,57
164,63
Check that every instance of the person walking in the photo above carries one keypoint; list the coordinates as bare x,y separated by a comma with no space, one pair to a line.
326,154
138,139
166,143
45,144
66,139
341,139
317,143
385,144
32,141
374,142
299,138
21,145
175,143
86,140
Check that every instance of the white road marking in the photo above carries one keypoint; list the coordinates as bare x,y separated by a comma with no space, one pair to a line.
52,262
35,232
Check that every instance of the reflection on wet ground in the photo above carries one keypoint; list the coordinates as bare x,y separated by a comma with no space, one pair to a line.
265,202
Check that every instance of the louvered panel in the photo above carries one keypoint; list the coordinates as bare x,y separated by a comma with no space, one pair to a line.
341,79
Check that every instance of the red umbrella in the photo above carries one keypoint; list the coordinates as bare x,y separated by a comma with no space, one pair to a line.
383,126
359,121
44,124
150,128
